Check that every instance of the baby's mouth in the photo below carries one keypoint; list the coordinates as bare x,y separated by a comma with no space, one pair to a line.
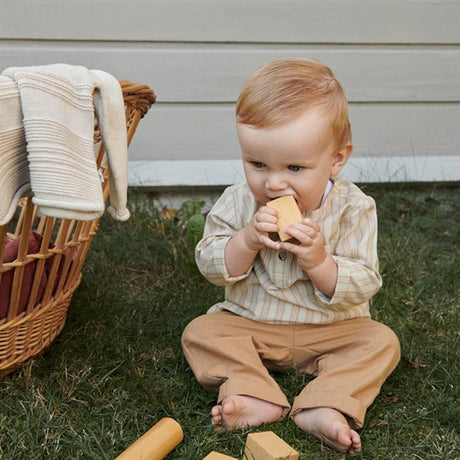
280,196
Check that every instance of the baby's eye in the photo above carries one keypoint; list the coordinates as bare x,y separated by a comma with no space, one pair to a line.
294,168
257,164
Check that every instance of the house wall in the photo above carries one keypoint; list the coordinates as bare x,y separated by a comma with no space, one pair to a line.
398,60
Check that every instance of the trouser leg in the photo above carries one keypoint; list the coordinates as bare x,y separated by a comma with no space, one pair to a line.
227,352
354,358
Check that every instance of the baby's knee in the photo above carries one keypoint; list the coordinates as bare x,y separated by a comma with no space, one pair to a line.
388,342
193,331
391,339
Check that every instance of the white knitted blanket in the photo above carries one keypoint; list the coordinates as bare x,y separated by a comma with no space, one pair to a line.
58,104
14,168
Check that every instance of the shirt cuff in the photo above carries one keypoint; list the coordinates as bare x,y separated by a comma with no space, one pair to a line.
343,278
220,274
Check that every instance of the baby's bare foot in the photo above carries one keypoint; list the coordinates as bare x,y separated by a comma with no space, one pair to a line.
241,411
331,427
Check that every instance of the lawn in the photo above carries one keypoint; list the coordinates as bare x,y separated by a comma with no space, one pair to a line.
117,367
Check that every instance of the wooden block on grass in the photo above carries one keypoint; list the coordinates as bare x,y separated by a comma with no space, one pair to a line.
266,445
156,443
217,456
289,214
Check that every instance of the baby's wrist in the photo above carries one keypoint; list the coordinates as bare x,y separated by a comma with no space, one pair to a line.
324,276
251,244
324,264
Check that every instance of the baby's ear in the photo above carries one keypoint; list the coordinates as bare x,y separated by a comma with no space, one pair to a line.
341,158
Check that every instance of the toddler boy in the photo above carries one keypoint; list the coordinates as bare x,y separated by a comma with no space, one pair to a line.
300,303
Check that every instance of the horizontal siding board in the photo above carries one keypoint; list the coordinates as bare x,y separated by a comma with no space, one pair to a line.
275,21
399,61
215,73
207,132
164,175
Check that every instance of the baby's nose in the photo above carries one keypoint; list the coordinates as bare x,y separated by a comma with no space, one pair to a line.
275,182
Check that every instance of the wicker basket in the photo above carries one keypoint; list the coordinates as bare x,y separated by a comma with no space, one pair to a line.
43,280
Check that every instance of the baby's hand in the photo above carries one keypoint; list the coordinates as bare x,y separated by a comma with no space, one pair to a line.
257,232
311,251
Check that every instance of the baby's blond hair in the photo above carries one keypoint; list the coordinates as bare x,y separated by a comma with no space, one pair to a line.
284,89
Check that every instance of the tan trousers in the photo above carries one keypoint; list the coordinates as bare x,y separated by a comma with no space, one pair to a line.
350,359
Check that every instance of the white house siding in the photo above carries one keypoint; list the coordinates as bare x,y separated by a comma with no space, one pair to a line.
399,61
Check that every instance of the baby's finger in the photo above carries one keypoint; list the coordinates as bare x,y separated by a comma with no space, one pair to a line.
266,227
309,222
270,243
302,233
296,249
268,213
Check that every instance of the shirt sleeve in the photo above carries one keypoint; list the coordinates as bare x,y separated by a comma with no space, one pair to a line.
356,256
222,222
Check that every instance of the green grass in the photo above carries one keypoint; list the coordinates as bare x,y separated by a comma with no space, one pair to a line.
117,367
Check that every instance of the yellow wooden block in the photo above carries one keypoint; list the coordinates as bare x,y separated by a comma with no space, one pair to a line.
156,443
266,445
217,456
289,214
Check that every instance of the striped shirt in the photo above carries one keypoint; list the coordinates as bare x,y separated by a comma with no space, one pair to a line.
275,289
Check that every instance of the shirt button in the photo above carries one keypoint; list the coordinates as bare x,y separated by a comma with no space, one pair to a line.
282,255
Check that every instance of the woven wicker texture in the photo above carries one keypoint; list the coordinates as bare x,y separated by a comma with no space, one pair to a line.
37,286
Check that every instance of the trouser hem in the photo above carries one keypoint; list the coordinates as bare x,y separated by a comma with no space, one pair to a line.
351,408
245,387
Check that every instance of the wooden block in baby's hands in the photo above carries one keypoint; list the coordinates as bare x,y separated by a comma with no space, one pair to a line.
289,214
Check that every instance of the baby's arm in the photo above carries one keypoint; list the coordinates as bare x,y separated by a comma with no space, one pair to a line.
356,276
233,236
243,247
312,256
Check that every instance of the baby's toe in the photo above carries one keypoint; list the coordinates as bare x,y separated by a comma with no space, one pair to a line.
216,414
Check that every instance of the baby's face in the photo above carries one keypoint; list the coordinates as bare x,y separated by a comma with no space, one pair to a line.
293,158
